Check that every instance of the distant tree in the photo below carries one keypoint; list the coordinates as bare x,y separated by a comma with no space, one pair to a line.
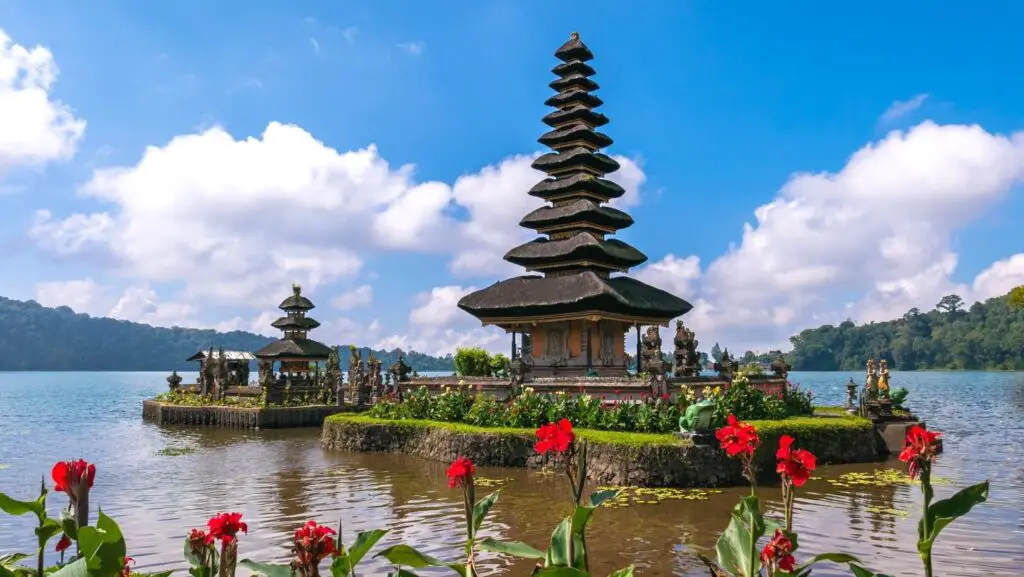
1016,298
500,365
472,362
950,304
716,353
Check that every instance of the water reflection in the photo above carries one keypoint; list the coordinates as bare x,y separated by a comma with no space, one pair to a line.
278,479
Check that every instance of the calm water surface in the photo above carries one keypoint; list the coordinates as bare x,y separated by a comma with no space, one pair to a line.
280,479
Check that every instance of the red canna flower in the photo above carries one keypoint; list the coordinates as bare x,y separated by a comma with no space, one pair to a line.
664,397
197,542
225,526
919,449
555,437
63,544
460,472
68,476
778,554
794,464
313,544
738,438
127,569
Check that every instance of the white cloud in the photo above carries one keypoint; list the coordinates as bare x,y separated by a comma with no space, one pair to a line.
141,304
875,237
438,326
358,297
34,129
1000,278
900,108
412,48
83,296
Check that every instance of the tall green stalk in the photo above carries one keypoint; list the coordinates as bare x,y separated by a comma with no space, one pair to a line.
926,490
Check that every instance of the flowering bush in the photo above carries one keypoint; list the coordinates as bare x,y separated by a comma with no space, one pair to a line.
100,551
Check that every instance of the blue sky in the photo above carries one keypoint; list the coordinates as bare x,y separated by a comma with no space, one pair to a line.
717,111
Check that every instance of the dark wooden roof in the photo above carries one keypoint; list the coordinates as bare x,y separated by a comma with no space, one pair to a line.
582,246
294,348
573,67
574,80
577,97
575,133
296,302
600,187
528,296
573,49
579,112
578,157
582,210
295,324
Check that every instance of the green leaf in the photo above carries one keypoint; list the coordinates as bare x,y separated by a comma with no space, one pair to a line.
344,564
78,568
18,508
944,512
513,548
480,510
48,530
733,548
859,571
410,557
558,549
102,546
69,525
402,573
561,572
159,574
11,559
5,572
626,572
841,558
268,569
201,572
599,497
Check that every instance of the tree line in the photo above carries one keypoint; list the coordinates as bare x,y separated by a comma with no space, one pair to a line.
38,338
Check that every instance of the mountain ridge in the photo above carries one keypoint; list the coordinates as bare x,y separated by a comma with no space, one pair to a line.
38,338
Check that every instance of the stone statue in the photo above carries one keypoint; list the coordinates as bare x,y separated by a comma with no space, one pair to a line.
173,381
373,379
780,367
871,381
355,363
209,373
725,367
697,416
333,380
851,395
883,378
687,359
223,374
243,374
651,350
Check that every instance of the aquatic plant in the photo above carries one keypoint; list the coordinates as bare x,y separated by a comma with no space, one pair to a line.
752,544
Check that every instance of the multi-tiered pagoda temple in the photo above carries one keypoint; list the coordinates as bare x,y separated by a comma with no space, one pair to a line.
575,312
295,350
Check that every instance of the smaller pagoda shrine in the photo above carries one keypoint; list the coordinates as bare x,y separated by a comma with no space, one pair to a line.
295,351
574,314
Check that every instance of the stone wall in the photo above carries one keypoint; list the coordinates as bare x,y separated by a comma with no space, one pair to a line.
668,464
609,388
238,417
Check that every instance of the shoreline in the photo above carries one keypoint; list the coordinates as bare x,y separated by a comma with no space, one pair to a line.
616,458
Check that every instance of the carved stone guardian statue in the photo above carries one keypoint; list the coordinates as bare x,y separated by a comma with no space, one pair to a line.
174,381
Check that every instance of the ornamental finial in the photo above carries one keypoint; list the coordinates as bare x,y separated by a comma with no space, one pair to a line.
296,289
575,36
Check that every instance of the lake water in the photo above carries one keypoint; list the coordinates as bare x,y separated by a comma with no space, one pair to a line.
280,479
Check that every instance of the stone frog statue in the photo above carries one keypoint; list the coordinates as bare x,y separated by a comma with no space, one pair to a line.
697,416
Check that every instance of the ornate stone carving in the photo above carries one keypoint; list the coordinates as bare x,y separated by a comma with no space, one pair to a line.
871,381
333,377
606,356
780,367
651,350
174,381
208,373
687,359
725,368
223,374
373,379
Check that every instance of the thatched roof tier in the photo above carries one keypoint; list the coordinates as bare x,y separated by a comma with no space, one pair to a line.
575,114
574,80
586,294
581,211
574,97
577,185
575,159
578,134
296,302
294,348
583,246
566,69
574,49
295,323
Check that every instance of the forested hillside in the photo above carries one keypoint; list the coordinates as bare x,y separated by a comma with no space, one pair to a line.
38,338
987,335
